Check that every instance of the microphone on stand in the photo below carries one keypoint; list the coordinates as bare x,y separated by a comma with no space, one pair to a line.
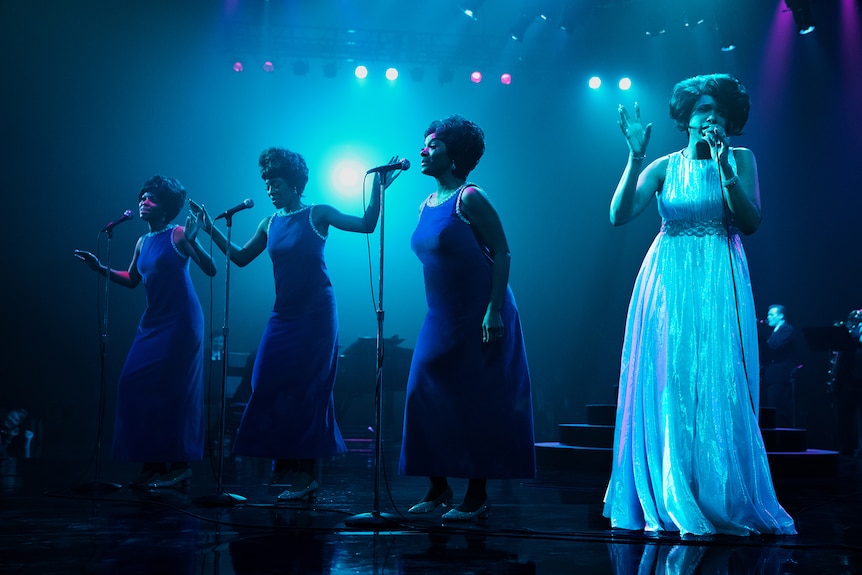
247,203
402,164
127,215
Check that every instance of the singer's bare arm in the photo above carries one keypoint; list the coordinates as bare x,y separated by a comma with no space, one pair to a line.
743,199
636,188
129,278
324,215
635,191
240,256
488,229
185,238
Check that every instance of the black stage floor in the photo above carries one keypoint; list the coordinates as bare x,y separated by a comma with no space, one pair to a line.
552,524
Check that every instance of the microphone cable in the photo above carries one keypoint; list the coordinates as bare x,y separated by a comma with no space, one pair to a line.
728,229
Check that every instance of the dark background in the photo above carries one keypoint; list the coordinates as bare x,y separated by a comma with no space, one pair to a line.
98,96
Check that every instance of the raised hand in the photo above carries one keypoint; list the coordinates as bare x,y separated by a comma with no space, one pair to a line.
88,258
636,135
202,220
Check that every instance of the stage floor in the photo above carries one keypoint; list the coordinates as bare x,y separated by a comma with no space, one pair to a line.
552,524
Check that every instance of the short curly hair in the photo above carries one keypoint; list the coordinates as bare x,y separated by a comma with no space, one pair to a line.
725,89
169,193
276,162
465,142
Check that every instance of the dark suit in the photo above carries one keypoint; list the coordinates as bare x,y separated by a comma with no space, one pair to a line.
778,359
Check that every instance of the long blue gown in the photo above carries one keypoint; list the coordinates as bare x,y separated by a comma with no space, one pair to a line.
468,411
291,411
160,392
688,454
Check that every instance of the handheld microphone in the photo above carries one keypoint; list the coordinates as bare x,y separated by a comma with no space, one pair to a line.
127,215
402,164
247,203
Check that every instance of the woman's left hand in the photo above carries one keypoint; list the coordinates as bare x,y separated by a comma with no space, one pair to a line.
492,327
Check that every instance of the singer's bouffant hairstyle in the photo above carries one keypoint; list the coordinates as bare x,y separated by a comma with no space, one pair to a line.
169,193
727,91
281,163
465,142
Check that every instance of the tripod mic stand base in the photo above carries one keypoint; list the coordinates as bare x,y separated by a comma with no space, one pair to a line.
218,500
373,520
97,487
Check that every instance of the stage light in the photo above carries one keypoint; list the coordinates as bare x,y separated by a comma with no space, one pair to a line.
625,84
237,66
506,79
595,82
476,77
725,25
300,67
801,10
520,28
470,8
391,74
361,72
268,66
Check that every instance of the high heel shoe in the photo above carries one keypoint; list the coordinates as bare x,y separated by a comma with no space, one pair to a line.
143,480
294,495
456,515
443,499
174,478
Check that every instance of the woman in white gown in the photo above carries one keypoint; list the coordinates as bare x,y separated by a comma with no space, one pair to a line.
688,453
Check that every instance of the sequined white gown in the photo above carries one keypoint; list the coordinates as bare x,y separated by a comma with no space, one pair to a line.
688,453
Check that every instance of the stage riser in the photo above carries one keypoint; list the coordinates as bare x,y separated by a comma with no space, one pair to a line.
588,447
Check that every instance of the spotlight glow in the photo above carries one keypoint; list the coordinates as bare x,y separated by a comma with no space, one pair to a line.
391,74
361,72
268,66
595,82
346,178
237,67
625,83
476,77
506,79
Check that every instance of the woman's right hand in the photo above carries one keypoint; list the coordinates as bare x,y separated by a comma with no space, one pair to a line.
89,259
636,135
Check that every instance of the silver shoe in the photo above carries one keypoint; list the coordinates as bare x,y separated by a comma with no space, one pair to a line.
455,515
290,495
443,499
172,479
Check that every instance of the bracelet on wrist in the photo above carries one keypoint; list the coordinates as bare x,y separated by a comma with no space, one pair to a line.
731,182
634,156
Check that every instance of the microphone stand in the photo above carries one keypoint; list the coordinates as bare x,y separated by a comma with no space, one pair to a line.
97,487
374,519
221,498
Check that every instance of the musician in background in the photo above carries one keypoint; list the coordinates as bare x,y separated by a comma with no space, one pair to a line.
846,380
778,359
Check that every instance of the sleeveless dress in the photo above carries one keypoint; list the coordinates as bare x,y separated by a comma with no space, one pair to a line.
160,392
688,453
468,411
291,411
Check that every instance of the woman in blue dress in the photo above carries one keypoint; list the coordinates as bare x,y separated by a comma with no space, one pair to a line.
290,416
159,418
468,411
688,453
